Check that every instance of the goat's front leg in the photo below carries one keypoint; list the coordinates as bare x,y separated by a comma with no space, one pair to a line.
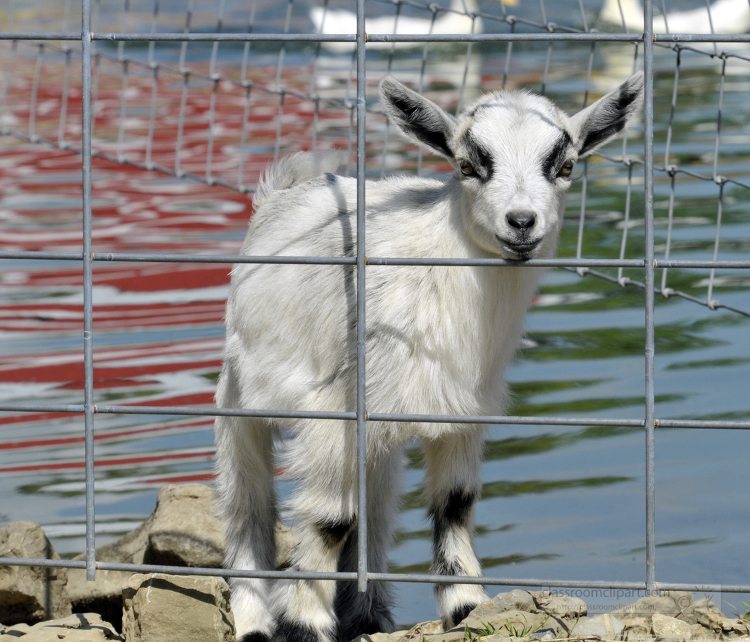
453,486
322,457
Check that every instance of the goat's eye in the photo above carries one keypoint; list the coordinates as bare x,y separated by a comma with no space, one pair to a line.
567,169
466,168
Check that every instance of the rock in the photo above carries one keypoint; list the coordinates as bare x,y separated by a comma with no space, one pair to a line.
647,606
27,593
683,599
560,606
605,627
514,601
416,632
183,530
504,623
165,608
669,628
80,627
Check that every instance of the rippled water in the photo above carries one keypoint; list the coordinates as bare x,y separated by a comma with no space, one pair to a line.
558,502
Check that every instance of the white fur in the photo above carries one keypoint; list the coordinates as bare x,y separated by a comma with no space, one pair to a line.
438,341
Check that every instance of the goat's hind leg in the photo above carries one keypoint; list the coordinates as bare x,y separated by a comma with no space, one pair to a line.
322,456
244,467
453,486
370,612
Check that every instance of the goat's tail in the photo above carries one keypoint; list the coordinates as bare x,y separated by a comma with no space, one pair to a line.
294,169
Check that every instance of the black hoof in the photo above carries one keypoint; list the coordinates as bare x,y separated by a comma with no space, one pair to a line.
254,636
460,613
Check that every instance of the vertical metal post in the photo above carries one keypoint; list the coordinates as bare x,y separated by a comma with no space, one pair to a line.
361,408
88,308
648,162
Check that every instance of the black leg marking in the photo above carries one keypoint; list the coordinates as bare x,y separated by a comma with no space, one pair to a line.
334,533
360,614
287,631
454,511
459,614
254,636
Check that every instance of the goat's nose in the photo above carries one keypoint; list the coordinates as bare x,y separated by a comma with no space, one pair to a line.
521,219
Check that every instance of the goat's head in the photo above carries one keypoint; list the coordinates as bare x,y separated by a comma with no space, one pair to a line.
514,153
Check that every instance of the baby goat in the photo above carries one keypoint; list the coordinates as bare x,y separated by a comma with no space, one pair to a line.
438,342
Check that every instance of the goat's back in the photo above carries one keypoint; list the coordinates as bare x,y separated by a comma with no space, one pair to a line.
438,338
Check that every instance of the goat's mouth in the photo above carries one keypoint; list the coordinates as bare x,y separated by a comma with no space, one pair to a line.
521,250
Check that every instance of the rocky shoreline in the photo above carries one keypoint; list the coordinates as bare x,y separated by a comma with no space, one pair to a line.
48,604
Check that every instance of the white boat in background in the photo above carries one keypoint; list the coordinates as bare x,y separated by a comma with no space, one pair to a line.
456,19
726,16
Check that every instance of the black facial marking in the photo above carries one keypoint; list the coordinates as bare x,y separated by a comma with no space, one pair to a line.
414,122
288,631
254,636
461,613
331,179
479,158
333,533
556,157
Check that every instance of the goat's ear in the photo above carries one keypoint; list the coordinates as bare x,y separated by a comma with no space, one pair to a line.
607,117
420,119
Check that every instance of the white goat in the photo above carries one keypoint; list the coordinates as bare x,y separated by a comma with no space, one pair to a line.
438,342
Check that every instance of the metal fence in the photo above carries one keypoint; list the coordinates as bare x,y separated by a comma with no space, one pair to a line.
518,31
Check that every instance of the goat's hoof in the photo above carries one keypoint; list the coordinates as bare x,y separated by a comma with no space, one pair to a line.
459,614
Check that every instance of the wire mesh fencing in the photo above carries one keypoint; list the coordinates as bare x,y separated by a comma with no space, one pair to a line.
212,94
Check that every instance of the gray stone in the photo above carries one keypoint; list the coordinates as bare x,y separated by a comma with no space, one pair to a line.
80,627
683,599
30,594
647,606
416,632
514,601
669,628
183,530
165,608
605,627
506,623
560,606
544,635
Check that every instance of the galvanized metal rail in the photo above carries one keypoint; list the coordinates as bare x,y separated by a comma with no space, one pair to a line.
362,414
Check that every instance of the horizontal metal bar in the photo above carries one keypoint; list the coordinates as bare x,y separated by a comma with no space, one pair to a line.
502,419
375,416
376,260
314,37
561,262
42,256
702,37
224,37
701,264
224,572
228,258
40,35
702,424
376,577
44,563
224,412
589,36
